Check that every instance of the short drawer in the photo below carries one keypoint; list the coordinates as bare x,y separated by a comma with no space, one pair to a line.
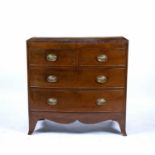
90,78
77,101
102,57
51,57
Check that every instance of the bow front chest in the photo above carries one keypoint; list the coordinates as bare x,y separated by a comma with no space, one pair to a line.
73,79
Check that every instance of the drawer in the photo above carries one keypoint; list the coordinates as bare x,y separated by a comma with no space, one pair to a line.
102,57
52,57
77,101
90,78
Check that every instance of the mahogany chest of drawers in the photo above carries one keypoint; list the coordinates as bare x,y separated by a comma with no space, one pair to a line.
73,79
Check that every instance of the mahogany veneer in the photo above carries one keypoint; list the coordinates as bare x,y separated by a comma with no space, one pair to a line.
81,79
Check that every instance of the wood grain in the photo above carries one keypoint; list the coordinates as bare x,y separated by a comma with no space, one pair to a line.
77,79
77,101
76,88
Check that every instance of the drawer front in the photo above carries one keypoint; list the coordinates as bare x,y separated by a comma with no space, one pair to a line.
102,57
77,101
90,78
49,57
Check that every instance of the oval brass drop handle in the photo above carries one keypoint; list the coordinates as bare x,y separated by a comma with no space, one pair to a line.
100,101
51,57
102,58
52,78
101,79
52,101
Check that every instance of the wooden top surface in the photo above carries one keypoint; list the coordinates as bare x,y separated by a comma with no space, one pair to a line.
77,39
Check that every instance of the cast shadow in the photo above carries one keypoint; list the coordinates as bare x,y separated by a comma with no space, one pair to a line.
77,127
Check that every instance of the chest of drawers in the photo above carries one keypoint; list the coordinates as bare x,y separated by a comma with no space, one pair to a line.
73,79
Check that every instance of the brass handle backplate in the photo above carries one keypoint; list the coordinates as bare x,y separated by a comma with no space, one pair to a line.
102,58
51,57
100,101
52,101
52,78
101,79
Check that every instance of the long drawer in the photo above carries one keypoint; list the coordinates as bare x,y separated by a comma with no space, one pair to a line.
77,101
90,78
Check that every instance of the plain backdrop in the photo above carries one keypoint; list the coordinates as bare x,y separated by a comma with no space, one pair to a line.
22,19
